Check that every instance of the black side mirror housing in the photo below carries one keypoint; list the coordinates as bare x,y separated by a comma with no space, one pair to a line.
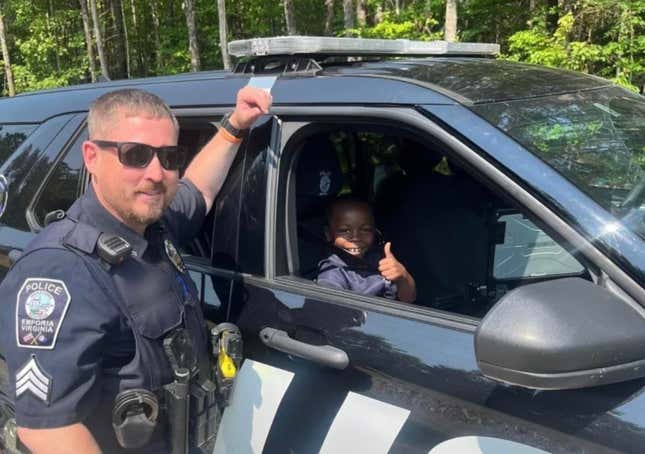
561,334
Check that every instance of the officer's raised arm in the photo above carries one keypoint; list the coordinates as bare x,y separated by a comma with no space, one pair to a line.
210,166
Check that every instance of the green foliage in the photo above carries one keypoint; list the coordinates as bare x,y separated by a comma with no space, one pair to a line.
538,46
613,44
390,28
50,51
415,21
47,43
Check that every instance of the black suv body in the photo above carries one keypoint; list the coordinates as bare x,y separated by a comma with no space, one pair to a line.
487,177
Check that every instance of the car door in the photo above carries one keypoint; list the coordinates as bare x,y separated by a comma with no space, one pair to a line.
328,370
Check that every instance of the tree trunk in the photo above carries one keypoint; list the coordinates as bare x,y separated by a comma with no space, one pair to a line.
138,57
329,16
99,40
126,42
450,27
49,17
552,15
193,46
531,5
223,33
348,10
361,13
289,17
156,26
379,15
397,7
11,88
88,39
115,9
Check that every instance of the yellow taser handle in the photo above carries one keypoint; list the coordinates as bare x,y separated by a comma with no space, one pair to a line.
226,364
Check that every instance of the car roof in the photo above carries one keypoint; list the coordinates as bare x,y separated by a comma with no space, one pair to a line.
434,80
478,80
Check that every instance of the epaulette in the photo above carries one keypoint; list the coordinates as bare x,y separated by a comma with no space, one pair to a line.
111,249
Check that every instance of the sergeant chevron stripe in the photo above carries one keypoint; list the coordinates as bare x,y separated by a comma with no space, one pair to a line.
31,378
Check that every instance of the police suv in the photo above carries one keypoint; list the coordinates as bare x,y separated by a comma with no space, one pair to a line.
512,193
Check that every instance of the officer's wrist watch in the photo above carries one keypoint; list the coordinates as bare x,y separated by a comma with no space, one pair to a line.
232,130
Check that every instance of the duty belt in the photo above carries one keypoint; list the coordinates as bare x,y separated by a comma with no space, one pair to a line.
192,403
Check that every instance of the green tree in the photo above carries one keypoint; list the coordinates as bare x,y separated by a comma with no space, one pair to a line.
50,46
596,36
6,58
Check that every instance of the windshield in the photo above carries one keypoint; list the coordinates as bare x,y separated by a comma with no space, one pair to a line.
595,138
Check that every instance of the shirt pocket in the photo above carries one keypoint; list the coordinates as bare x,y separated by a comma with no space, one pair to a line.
155,319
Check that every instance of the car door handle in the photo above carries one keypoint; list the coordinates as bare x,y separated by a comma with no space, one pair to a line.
321,354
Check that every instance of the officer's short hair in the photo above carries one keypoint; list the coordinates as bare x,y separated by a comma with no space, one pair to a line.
129,101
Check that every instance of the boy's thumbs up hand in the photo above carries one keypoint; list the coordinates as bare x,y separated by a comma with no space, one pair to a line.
388,252
389,267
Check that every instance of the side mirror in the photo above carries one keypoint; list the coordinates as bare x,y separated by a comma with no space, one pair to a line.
561,334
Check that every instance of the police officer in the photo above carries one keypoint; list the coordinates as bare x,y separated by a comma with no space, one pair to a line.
85,310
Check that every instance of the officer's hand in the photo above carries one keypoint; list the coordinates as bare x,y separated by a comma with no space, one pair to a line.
389,267
251,103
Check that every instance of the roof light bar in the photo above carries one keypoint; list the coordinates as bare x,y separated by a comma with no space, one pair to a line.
309,45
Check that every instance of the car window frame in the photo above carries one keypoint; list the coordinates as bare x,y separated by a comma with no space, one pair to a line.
294,118
59,148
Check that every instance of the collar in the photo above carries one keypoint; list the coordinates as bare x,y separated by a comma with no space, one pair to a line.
92,212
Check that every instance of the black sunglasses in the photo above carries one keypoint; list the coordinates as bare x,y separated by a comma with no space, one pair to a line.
139,155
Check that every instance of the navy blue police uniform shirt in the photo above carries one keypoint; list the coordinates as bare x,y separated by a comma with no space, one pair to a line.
69,326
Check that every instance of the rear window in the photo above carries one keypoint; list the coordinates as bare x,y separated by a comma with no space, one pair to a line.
11,136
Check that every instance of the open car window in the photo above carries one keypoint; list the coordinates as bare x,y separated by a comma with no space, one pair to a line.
463,243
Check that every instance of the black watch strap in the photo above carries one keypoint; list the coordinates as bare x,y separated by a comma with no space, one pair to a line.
235,132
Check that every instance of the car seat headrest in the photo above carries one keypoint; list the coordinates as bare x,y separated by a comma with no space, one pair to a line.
319,177
417,159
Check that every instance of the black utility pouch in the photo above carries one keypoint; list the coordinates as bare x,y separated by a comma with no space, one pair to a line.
134,417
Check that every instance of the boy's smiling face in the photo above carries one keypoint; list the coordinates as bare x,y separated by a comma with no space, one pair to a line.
351,227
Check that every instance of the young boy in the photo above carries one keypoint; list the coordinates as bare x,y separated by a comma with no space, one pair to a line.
355,266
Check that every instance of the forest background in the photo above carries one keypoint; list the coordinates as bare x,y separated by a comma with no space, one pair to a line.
51,43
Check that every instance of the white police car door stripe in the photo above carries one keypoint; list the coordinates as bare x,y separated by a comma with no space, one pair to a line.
364,425
31,378
259,389
483,445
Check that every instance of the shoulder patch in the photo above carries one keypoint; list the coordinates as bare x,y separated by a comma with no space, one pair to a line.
41,306
31,377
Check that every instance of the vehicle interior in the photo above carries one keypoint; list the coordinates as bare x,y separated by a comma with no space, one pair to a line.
464,245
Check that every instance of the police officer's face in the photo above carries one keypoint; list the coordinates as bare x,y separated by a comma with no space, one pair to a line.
351,227
135,196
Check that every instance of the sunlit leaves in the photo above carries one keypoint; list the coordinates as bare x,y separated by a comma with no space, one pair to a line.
46,40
